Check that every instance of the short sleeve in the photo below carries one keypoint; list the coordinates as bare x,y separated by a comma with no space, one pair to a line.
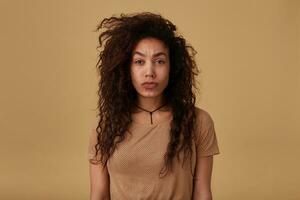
206,139
91,145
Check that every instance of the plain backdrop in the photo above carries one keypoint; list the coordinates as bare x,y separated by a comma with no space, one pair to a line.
249,57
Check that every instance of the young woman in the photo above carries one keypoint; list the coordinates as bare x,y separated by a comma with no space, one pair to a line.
149,140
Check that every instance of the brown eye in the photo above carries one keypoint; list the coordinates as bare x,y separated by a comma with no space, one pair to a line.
161,61
138,62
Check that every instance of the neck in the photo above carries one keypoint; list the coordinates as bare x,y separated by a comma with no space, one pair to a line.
151,104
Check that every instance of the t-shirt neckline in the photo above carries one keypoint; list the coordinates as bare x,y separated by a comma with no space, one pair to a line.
154,124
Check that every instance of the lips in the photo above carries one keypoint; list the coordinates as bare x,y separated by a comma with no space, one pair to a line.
149,85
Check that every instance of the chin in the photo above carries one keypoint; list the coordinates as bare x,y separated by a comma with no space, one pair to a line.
150,94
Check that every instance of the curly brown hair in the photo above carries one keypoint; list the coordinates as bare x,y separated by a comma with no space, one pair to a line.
117,94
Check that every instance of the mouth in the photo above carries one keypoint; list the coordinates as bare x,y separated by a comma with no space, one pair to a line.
149,85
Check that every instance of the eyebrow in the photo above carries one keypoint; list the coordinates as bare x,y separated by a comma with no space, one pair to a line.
155,55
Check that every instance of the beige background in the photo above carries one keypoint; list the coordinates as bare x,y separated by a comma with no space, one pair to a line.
249,55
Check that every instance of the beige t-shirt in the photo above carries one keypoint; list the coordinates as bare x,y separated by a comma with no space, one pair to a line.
135,165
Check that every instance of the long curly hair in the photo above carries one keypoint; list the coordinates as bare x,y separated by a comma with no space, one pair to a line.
117,94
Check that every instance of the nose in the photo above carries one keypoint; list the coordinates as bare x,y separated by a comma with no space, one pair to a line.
150,70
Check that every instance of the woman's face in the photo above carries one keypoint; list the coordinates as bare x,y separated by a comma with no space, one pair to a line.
150,63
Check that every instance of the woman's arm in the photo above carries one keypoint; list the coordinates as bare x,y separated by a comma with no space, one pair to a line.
99,182
202,179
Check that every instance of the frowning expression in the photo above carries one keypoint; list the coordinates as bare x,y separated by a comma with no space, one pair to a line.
150,66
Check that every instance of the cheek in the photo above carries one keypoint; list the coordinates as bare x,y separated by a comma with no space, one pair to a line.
166,73
166,79
134,77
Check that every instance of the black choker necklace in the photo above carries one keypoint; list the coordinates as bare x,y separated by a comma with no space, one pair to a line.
150,111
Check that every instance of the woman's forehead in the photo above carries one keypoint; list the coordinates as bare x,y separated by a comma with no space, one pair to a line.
150,46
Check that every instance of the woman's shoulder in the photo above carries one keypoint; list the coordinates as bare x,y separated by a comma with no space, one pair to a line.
204,124
203,116
206,139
